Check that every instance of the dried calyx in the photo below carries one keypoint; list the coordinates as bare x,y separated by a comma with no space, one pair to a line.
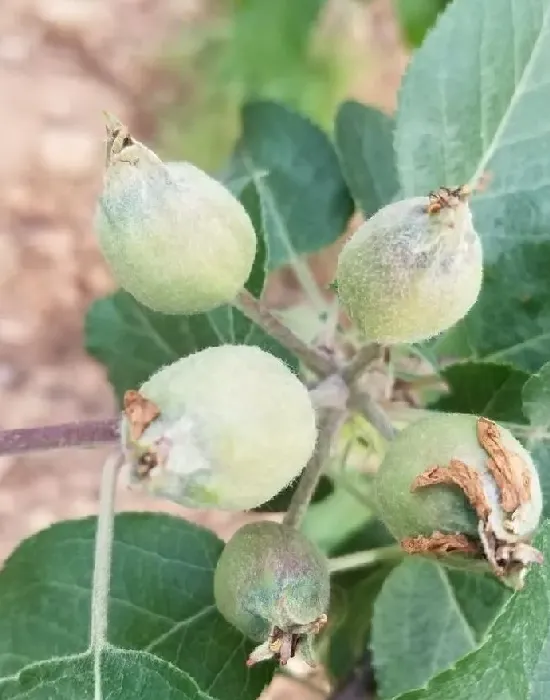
447,198
463,489
284,644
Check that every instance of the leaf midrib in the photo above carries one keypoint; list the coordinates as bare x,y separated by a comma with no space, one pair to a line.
518,92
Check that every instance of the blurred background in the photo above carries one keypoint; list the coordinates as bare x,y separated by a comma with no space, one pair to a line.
177,71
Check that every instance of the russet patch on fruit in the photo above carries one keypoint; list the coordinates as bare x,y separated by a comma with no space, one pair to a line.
454,485
413,269
227,427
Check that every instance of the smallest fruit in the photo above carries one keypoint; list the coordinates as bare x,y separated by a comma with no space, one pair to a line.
273,585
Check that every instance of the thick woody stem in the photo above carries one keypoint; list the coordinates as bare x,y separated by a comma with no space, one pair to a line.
316,360
51,437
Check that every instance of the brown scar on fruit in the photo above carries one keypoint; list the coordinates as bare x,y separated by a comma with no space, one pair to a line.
507,468
140,412
440,543
461,475
508,560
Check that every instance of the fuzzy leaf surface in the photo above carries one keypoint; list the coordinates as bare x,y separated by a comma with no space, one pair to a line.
165,636
133,342
536,406
364,141
512,664
305,200
471,104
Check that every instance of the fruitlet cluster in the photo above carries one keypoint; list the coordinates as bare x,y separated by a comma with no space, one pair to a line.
231,426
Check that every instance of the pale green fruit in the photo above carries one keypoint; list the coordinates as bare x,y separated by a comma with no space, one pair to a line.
435,441
235,427
175,238
412,270
271,576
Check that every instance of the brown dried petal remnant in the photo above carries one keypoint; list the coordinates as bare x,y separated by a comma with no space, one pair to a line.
440,543
140,413
447,198
507,468
461,475
282,645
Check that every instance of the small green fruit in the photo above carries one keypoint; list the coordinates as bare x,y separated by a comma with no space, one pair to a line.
273,585
457,478
175,238
234,427
413,269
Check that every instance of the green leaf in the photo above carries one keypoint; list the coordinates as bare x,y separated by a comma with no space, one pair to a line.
133,342
336,518
480,597
540,452
280,502
269,56
364,141
352,604
417,17
536,406
125,675
512,664
485,389
165,638
305,201
536,398
271,38
470,104
250,199
418,628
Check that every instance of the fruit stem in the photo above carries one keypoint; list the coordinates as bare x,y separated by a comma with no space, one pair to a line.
360,361
329,422
51,437
362,402
321,363
357,560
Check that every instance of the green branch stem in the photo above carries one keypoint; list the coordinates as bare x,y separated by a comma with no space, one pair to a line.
329,422
364,404
318,361
102,564
357,560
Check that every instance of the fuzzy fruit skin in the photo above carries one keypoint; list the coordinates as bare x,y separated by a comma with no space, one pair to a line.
242,426
407,275
174,237
435,441
269,574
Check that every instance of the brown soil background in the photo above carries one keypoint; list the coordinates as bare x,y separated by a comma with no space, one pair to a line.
61,63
